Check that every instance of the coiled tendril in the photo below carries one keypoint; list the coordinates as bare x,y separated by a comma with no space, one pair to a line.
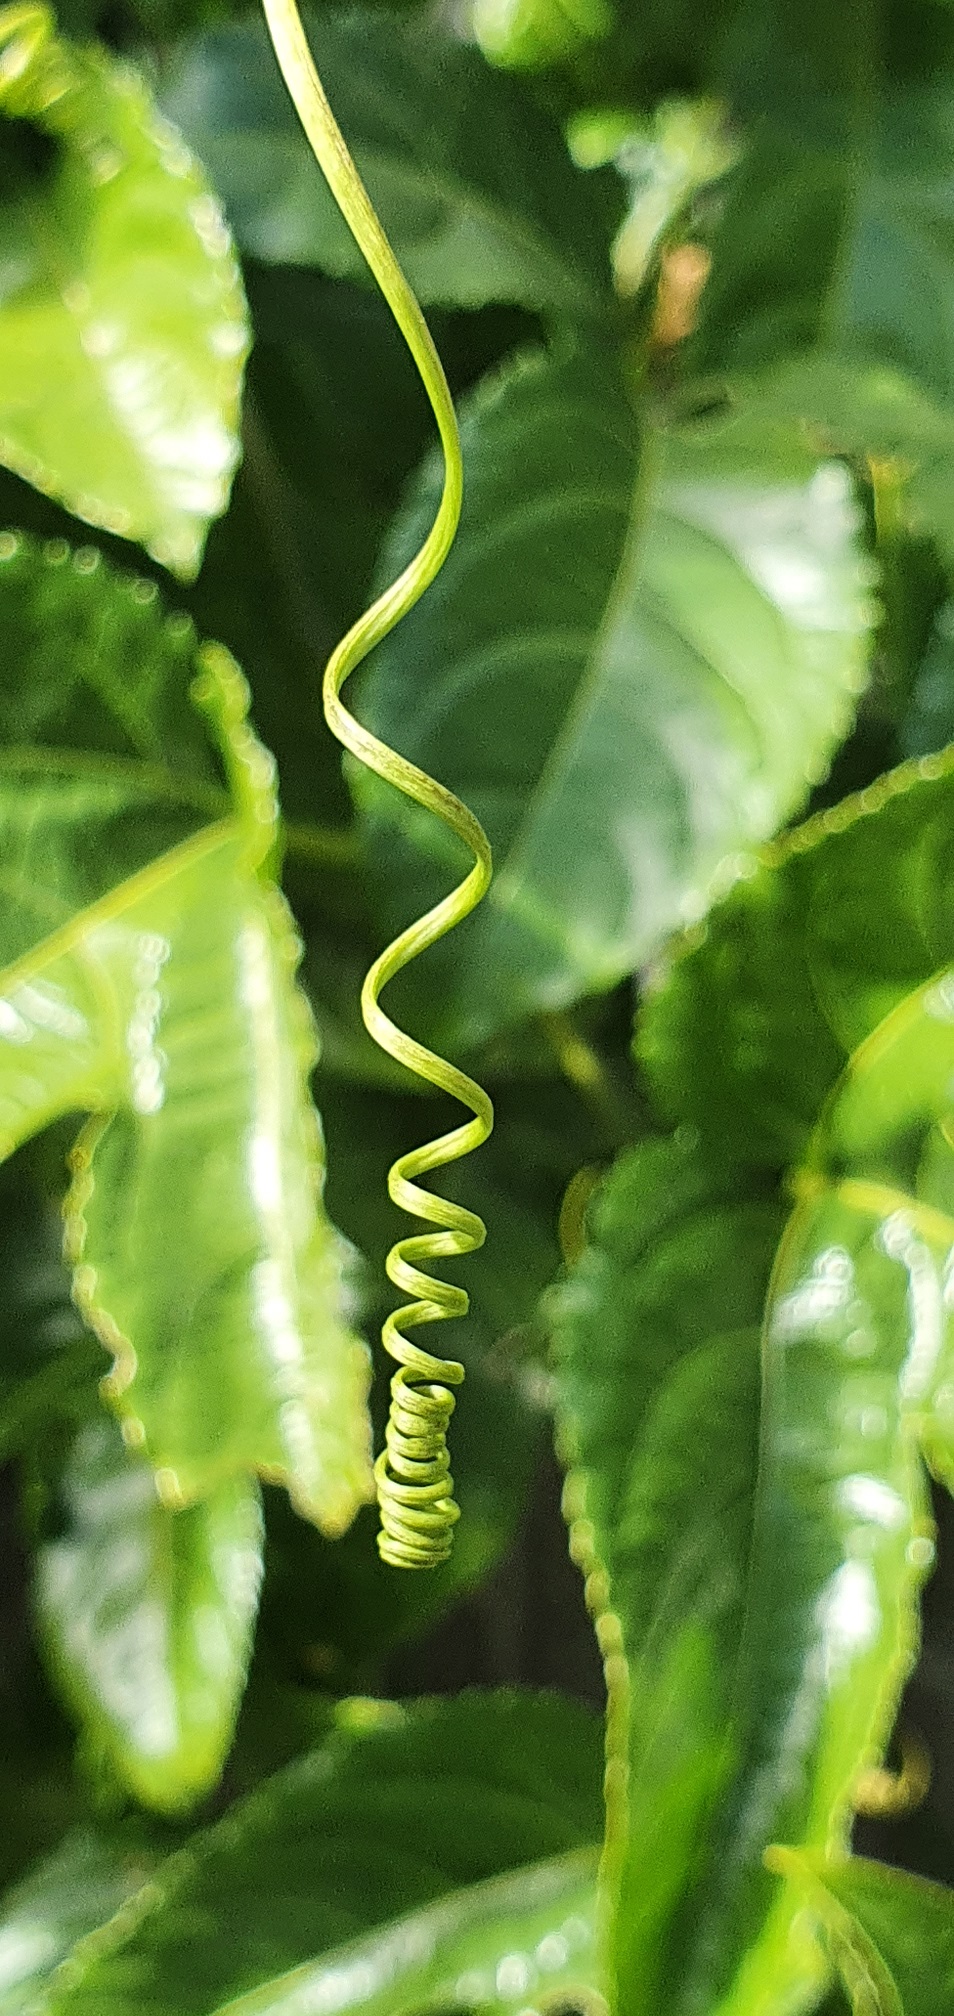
415,1487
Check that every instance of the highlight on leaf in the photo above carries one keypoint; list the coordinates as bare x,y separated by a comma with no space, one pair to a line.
123,326
147,979
414,1484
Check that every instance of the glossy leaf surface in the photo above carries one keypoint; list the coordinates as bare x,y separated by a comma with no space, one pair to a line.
122,320
473,185
164,1002
402,1806
856,1381
147,1616
797,967
657,1339
625,690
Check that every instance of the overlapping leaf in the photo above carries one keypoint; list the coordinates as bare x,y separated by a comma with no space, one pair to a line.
857,1375
891,1935
625,689
163,1001
759,1617
147,1616
47,1358
839,205
122,320
797,966
657,1335
833,260
473,184
402,1807
497,1944
875,414
807,985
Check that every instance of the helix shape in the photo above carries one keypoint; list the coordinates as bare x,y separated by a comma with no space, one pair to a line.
412,1474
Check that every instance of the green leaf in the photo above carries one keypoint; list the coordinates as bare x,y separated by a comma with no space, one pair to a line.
626,690
907,1923
122,321
857,1376
759,1622
402,1806
799,965
836,231
79,1887
494,1945
473,184
147,1616
870,412
657,1345
163,1002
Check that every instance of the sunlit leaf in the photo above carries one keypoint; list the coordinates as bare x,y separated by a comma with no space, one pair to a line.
627,689
122,321
874,413
857,1384
657,1340
473,184
163,1001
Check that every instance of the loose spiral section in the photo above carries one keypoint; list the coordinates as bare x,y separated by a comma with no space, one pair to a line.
414,1483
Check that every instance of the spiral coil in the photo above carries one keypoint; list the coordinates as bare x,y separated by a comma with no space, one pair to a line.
414,1484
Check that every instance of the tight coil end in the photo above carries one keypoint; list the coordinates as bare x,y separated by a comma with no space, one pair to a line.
412,1474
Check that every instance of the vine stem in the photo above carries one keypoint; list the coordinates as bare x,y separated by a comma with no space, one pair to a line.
415,1489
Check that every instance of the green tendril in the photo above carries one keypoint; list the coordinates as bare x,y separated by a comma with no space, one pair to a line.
414,1484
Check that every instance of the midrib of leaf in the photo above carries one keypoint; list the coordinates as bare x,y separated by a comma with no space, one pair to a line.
878,1199
757,1979
561,748
629,588
157,778
69,938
